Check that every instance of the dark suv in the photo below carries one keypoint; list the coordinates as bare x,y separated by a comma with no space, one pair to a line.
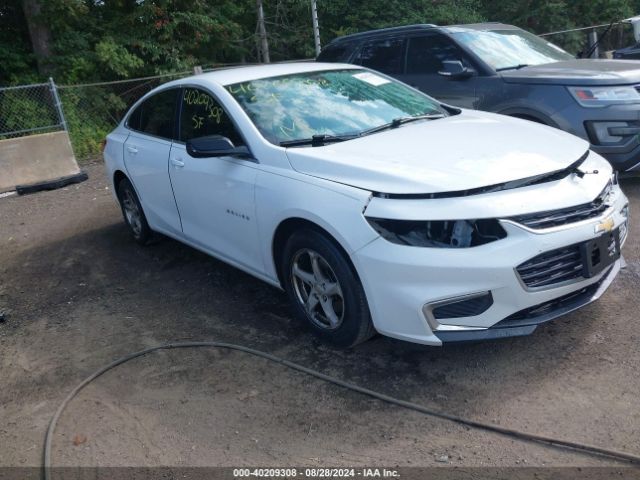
504,69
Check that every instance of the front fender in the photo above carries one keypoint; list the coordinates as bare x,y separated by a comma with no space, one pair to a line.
333,207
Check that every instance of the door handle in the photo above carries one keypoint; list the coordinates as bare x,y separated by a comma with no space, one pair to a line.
132,150
177,162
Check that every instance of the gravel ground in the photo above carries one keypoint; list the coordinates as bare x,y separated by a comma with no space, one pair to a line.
78,293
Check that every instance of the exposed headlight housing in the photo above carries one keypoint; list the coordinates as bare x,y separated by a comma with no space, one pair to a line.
439,233
594,97
624,227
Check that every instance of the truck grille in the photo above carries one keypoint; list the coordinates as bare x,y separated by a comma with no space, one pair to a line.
564,216
552,267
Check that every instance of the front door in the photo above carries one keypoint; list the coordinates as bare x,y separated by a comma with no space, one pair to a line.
215,195
425,54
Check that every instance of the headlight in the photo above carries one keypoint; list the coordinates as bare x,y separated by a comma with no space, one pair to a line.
603,96
439,233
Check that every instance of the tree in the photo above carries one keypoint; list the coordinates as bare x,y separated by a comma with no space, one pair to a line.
39,33
16,55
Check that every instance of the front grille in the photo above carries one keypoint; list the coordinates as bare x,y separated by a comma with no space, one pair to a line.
552,267
564,216
538,312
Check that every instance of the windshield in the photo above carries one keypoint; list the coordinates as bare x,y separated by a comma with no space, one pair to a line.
507,49
333,102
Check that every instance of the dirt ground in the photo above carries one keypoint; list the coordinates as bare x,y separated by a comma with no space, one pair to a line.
78,293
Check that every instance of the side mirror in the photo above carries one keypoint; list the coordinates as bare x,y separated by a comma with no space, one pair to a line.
214,146
454,69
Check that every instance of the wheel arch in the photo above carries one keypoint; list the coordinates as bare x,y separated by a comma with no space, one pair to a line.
529,114
118,176
288,227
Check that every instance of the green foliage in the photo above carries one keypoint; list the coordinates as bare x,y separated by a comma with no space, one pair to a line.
17,63
117,58
542,16
340,17
104,40
108,40
91,113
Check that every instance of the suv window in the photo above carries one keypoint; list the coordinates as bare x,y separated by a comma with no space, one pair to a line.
335,52
202,115
156,115
425,54
387,55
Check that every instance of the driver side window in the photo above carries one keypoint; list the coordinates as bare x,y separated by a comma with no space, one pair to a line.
426,54
201,115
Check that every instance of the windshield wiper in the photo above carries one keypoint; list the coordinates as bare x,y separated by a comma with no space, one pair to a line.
512,67
323,139
396,122
318,140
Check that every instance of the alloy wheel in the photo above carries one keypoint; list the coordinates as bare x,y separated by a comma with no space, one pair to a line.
132,212
317,289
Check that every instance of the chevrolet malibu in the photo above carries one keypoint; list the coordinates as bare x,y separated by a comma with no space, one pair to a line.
375,207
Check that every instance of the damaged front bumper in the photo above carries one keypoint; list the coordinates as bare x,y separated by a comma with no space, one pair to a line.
527,320
436,295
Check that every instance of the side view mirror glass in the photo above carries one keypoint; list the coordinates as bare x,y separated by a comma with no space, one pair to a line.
454,69
214,146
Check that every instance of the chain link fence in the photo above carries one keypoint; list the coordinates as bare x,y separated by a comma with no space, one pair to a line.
30,109
87,111
92,110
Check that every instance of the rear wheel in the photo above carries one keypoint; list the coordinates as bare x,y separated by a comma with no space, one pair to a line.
324,290
132,212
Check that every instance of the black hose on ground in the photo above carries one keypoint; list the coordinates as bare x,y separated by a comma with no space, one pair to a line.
520,435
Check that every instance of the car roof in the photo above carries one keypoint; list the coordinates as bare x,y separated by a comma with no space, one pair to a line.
481,26
231,75
422,27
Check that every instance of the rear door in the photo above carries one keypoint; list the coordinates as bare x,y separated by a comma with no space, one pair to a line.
215,195
146,155
425,54
385,55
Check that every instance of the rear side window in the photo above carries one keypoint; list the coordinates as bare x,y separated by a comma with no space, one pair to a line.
386,55
335,53
156,115
202,116
425,54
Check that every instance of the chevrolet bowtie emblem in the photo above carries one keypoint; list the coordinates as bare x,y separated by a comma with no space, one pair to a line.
605,226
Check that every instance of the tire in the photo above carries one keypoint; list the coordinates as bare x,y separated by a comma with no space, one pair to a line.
331,286
132,212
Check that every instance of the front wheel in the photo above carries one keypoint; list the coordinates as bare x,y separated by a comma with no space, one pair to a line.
324,290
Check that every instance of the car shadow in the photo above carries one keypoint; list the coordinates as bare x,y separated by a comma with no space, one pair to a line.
168,292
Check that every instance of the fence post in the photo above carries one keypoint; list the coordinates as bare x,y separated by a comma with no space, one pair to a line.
316,28
592,40
57,103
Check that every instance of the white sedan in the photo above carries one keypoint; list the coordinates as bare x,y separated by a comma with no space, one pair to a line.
375,207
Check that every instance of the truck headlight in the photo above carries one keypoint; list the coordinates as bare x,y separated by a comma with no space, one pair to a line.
593,97
439,233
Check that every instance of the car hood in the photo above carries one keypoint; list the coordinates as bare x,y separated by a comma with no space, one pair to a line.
461,152
577,72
